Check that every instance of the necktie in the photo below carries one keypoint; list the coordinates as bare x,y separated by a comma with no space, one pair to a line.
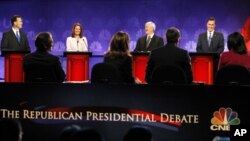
148,41
209,39
18,36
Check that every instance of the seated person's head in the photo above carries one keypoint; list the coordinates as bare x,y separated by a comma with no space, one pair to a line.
87,134
138,133
68,132
173,35
120,43
236,43
44,41
10,130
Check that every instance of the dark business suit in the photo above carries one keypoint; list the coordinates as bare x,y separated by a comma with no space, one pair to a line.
169,55
10,42
216,46
156,42
124,65
41,66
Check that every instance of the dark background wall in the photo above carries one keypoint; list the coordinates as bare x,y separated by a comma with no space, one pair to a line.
102,18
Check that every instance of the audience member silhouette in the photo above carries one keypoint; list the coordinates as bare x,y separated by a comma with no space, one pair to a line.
237,54
10,130
87,134
68,132
138,133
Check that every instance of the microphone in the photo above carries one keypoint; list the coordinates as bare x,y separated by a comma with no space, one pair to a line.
77,41
84,42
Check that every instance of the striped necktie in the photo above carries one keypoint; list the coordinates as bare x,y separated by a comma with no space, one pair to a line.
148,41
209,39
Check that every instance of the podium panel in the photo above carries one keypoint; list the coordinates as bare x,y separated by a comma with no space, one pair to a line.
139,65
204,67
13,66
77,66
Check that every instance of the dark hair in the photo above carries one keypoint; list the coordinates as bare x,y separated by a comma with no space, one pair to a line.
236,43
44,41
68,132
10,130
173,34
73,29
138,133
119,45
87,134
14,18
211,19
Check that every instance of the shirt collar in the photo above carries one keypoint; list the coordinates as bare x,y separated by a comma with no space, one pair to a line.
151,36
15,30
212,32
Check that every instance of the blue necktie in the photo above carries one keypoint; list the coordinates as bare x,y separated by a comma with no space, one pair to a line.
18,36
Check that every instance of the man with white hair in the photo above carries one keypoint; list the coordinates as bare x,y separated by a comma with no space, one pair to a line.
150,41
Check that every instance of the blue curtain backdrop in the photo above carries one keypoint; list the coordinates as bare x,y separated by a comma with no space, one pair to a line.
102,18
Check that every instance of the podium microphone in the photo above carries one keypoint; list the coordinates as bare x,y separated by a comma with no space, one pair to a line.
84,42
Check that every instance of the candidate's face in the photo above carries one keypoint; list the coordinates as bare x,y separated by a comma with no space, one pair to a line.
18,23
149,29
210,26
77,30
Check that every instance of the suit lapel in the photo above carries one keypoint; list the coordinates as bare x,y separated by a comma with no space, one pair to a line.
145,43
214,38
151,43
14,36
205,36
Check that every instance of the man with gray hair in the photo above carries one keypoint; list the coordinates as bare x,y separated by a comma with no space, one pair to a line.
150,41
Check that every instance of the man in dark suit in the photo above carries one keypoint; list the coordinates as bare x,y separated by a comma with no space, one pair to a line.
15,39
170,54
210,41
41,66
150,41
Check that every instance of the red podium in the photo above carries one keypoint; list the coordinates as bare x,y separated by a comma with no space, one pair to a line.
204,67
13,65
77,65
139,64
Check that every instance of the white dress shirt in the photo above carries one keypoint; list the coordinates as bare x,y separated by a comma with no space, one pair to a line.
16,30
74,44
